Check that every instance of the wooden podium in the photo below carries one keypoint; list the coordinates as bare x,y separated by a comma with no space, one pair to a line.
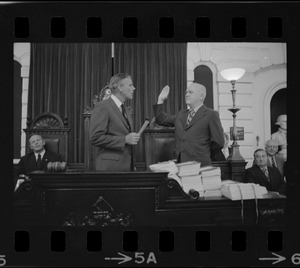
133,199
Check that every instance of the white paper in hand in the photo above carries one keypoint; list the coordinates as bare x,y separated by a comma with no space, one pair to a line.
164,93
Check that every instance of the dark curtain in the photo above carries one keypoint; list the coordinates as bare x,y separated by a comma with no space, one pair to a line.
152,66
63,80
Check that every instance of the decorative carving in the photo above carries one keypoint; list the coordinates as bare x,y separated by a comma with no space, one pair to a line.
47,120
171,183
104,93
271,212
102,214
87,110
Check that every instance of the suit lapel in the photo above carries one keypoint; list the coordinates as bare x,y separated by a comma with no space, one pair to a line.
117,111
183,118
45,160
32,160
262,174
198,115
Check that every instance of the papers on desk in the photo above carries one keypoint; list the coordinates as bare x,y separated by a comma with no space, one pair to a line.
188,168
206,181
167,166
192,182
245,191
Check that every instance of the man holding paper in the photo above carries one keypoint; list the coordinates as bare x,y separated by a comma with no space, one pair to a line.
111,129
198,130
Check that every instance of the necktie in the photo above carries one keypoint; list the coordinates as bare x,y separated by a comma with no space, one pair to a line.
38,162
125,116
273,162
266,173
190,116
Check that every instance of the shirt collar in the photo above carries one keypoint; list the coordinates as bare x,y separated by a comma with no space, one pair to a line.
116,100
42,154
197,107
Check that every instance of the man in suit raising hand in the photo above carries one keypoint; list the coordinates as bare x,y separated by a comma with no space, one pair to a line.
198,130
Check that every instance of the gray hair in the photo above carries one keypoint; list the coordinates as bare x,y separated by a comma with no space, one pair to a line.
116,80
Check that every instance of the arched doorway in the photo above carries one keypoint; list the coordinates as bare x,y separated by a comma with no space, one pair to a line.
203,75
277,107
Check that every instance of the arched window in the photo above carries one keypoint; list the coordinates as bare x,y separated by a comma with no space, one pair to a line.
203,75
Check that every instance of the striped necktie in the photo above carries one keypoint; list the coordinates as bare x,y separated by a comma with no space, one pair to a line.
125,116
266,172
190,116
273,162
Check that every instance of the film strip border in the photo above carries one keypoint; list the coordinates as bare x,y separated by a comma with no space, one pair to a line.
148,247
150,22
131,27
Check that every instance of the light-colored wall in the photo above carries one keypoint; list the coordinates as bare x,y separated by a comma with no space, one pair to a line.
22,55
265,65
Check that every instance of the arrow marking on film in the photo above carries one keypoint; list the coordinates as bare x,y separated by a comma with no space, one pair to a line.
122,259
276,260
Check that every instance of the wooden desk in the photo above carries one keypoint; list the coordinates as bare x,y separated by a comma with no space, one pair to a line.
132,199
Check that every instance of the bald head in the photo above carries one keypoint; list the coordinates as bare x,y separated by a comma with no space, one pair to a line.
195,95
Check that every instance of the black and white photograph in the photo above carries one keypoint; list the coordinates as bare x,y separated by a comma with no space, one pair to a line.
150,134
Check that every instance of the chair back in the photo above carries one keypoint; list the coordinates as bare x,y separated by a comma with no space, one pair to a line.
51,127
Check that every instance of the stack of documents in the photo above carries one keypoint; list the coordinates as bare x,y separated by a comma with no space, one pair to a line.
193,182
188,168
211,179
189,176
238,191
168,166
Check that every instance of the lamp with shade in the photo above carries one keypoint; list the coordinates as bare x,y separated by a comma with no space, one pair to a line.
232,75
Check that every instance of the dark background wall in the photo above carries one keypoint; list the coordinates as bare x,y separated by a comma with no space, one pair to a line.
278,107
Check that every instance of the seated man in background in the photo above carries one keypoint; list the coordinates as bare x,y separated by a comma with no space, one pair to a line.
35,160
264,175
274,158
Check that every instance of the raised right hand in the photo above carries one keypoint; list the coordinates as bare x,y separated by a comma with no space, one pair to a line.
132,138
163,95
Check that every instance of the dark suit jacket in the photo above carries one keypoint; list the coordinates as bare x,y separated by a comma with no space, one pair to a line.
255,175
28,162
194,142
280,163
107,132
